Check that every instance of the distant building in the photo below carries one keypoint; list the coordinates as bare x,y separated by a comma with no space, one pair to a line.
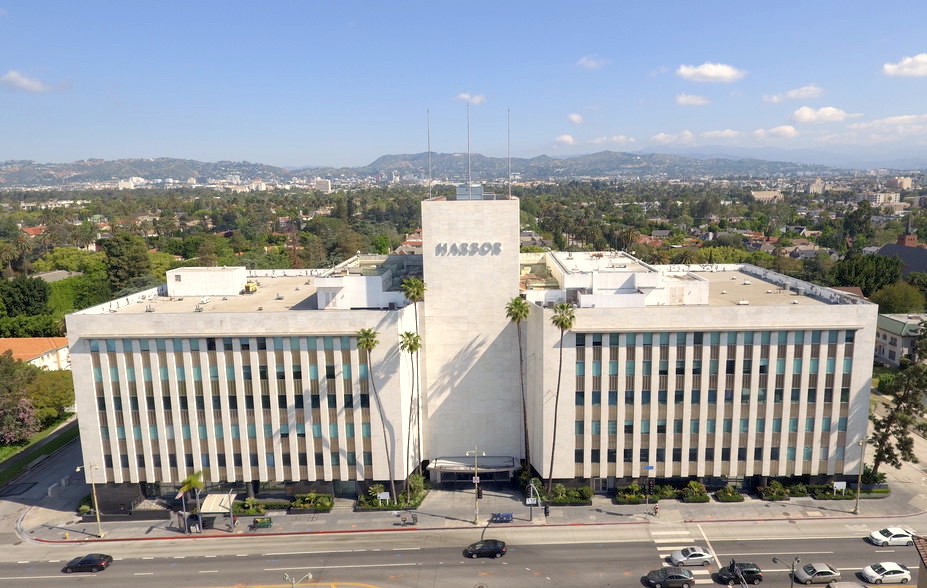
322,185
880,198
766,195
900,183
50,353
896,335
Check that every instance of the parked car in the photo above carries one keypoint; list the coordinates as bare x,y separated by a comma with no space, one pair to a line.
816,573
93,562
886,572
486,548
670,577
691,556
735,571
892,536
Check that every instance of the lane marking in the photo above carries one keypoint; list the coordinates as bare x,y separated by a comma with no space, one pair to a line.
315,552
148,557
767,553
143,574
711,548
392,565
36,577
209,571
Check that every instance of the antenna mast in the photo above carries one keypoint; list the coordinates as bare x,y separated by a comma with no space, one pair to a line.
469,182
428,126
508,116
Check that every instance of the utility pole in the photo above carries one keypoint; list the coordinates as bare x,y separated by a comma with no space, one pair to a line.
476,483
293,582
859,475
93,493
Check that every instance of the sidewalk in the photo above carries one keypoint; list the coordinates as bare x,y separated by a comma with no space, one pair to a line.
53,520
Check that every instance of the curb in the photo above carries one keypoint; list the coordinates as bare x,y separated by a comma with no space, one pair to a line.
851,517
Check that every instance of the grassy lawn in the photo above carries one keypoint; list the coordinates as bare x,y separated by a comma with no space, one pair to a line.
878,371
8,451
30,452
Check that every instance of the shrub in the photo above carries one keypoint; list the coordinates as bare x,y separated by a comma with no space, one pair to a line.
661,491
84,509
729,494
798,490
870,477
313,501
775,491
630,495
375,489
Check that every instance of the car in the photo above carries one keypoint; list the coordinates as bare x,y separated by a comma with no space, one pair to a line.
816,573
691,556
892,536
485,548
886,572
93,562
740,571
670,577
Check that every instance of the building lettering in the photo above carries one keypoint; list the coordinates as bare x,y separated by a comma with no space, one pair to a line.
465,249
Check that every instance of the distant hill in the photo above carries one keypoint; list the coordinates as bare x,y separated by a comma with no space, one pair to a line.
445,166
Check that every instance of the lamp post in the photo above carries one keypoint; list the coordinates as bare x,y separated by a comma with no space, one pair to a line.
476,483
792,565
859,476
93,493
293,582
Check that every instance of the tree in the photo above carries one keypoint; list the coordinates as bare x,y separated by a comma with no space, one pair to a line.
517,310
411,343
892,430
899,297
563,319
51,393
7,255
126,258
414,289
367,342
17,415
25,296
194,482
869,272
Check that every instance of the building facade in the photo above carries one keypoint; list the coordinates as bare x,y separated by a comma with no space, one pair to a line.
703,371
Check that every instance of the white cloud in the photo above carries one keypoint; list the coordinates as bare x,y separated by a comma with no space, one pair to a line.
471,98
591,62
576,119
724,134
565,140
804,93
613,139
17,81
825,114
909,66
682,138
710,72
780,132
691,100
893,128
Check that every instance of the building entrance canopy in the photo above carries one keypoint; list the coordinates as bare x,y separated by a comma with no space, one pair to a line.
217,504
485,463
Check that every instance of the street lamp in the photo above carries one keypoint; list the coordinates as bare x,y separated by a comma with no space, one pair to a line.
293,582
792,566
859,476
93,492
476,453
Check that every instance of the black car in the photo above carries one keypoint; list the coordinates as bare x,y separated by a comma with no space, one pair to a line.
93,562
670,577
486,548
737,570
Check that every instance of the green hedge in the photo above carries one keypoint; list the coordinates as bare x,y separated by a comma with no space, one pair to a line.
251,506
729,497
692,498
313,501
628,499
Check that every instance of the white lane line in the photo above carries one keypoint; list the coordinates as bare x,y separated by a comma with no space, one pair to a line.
676,532
209,571
180,557
671,548
767,553
143,574
710,548
241,555
885,551
24,561
210,556
55,560
148,557
406,549
394,565
313,552
34,577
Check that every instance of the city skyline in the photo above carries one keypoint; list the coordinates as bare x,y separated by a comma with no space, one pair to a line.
339,85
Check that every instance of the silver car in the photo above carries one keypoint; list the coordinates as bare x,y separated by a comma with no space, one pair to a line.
691,556
816,573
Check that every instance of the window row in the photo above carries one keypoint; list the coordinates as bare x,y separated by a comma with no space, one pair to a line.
232,431
827,425
250,402
713,338
237,460
748,366
711,397
212,374
176,344
775,454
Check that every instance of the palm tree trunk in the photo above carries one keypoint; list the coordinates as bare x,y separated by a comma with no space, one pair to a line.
376,397
553,441
409,435
524,400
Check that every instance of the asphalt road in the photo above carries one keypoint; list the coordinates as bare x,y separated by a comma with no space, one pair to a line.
435,560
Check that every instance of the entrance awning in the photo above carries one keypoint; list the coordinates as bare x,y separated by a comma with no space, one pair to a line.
217,503
485,463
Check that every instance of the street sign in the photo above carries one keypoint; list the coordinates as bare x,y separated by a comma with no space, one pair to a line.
383,496
531,501
648,467
476,479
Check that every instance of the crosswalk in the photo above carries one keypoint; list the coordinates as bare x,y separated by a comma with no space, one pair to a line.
669,540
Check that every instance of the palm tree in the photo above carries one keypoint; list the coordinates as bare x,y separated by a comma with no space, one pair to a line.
7,255
563,319
194,482
516,311
367,342
23,245
411,343
414,289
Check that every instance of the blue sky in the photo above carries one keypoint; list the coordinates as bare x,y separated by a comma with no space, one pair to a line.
343,82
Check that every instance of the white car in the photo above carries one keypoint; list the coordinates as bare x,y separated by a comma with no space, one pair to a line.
691,556
886,572
892,536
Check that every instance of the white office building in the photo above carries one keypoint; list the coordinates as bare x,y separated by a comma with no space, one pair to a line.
667,372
